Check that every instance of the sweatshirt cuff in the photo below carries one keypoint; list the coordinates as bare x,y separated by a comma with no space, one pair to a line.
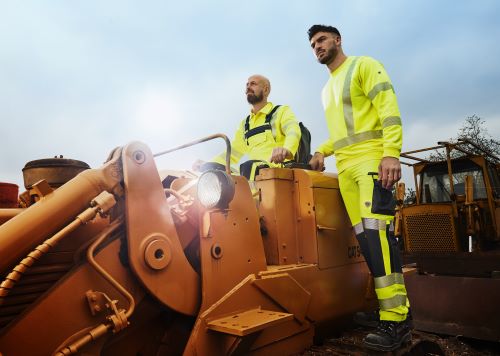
391,152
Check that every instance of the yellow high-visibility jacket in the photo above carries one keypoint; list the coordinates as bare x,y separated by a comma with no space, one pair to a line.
285,133
361,112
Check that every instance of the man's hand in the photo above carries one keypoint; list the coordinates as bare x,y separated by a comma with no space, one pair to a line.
389,171
279,154
317,162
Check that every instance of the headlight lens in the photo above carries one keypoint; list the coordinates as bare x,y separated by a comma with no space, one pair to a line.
215,189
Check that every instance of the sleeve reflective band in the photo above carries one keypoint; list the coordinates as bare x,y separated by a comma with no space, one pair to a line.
378,88
390,121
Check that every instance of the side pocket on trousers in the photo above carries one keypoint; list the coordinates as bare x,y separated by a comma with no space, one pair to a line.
383,201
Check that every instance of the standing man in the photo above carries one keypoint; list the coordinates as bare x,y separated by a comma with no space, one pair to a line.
364,122
268,136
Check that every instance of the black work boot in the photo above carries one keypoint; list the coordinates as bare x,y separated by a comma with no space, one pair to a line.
388,336
369,319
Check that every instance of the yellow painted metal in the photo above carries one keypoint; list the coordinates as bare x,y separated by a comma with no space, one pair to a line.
21,234
249,321
235,234
149,222
277,211
210,264
337,245
7,214
280,287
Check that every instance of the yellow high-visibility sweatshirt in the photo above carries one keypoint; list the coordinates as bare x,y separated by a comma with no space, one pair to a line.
361,112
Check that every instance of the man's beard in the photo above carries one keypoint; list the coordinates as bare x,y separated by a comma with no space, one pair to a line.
254,99
329,57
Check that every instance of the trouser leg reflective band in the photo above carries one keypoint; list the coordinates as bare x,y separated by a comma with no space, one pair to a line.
396,264
382,255
388,277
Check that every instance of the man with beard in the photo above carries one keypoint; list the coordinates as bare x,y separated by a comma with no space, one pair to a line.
269,136
364,122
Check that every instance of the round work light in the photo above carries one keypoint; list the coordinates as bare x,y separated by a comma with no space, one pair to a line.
215,189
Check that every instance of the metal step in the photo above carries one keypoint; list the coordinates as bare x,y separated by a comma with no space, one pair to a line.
247,322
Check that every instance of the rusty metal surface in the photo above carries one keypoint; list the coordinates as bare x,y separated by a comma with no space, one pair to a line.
464,264
8,195
455,305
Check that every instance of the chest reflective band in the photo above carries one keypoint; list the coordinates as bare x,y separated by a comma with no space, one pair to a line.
259,129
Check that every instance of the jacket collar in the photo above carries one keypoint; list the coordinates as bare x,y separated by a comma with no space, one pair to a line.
265,110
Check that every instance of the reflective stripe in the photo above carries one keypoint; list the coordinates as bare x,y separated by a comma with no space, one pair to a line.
293,133
389,280
273,126
390,121
346,99
378,88
390,303
391,226
285,127
358,228
374,224
356,138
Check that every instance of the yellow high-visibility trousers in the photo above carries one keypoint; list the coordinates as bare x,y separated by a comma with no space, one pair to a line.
375,234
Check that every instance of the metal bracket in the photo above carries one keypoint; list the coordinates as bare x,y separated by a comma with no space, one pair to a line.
98,302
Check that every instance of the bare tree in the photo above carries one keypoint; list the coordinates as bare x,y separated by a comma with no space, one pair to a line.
410,197
473,130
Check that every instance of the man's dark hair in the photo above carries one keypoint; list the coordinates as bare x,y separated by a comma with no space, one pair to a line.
322,28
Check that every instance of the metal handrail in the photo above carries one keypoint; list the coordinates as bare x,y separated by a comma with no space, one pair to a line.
204,139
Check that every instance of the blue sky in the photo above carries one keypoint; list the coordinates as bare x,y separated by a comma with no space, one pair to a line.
79,78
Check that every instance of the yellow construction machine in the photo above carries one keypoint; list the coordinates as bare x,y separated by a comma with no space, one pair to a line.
129,260
452,235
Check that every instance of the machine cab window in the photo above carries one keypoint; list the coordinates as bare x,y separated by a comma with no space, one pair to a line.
436,182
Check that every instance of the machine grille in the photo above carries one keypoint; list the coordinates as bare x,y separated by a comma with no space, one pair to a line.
430,233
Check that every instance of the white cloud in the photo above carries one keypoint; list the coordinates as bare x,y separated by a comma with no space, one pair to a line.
79,79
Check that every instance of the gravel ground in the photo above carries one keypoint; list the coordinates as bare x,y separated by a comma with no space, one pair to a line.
351,343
